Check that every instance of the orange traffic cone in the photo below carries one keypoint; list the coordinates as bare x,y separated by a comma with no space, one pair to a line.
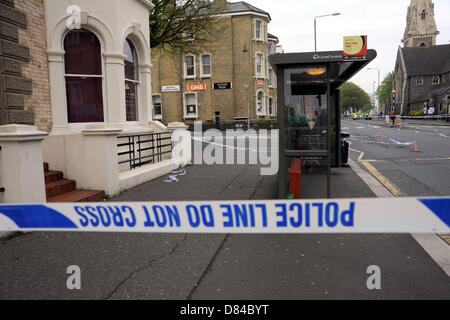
415,147
381,136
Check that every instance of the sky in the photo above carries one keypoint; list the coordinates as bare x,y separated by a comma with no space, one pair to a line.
383,21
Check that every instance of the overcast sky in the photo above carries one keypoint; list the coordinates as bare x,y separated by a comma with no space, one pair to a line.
383,21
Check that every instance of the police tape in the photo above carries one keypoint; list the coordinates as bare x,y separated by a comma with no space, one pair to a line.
393,141
225,145
370,215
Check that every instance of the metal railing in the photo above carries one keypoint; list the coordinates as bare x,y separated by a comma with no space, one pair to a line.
143,148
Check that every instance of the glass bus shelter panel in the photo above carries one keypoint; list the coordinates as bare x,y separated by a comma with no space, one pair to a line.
305,109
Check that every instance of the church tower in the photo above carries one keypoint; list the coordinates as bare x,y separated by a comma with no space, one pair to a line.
421,30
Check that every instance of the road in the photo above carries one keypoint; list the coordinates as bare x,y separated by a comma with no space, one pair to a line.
422,173
189,266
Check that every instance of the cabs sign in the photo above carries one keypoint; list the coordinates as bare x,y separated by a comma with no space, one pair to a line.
355,48
197,87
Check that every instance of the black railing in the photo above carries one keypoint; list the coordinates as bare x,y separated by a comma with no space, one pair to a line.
144,148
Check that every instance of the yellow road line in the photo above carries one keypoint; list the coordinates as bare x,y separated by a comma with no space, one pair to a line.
445,237
385,181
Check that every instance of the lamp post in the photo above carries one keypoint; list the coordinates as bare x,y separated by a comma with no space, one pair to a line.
315,27
247,86
378,103
373,95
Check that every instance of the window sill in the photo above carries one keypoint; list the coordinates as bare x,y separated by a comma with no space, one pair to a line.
191,117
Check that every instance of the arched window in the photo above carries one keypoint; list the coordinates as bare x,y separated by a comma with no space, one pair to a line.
271,106
131,81
423,15
436,80
83,74
260,103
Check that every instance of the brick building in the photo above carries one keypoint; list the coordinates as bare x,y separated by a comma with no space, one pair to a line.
231,74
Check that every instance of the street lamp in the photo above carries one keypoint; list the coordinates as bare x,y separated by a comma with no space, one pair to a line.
373,94
378,103
315,27
247,86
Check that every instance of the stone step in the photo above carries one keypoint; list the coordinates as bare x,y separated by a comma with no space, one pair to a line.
79,196
59,187
52,176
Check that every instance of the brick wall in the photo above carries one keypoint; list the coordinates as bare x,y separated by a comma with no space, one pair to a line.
13,86
229,63
34,37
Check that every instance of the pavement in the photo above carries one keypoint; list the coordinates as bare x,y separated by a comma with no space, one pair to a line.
211,266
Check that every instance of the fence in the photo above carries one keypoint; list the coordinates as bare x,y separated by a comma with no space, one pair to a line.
144,148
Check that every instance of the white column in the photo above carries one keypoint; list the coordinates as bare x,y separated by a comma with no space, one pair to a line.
57,89
21,164
145,74
115,90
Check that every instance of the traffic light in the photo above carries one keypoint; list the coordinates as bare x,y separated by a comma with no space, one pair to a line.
393,99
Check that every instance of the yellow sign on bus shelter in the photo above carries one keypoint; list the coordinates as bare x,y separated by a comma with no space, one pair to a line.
355,47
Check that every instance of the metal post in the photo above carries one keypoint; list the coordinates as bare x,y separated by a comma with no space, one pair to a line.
248,107
315,36
315,25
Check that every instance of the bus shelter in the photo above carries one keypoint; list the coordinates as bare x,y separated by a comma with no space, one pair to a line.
309,118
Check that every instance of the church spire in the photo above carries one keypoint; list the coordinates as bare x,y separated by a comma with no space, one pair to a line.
421,30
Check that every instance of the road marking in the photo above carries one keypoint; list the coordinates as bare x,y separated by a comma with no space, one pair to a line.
445,237
361,154
385,181
377,188
443,135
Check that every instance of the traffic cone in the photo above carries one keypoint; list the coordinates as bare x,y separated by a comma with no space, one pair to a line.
415,147
381,136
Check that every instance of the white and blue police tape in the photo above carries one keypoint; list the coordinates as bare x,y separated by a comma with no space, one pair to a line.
393,141
371,215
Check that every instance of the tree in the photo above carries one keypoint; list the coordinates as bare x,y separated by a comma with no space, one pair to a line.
385,88
354,98
182,24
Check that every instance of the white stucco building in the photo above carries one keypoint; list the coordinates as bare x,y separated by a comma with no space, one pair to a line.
96,66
